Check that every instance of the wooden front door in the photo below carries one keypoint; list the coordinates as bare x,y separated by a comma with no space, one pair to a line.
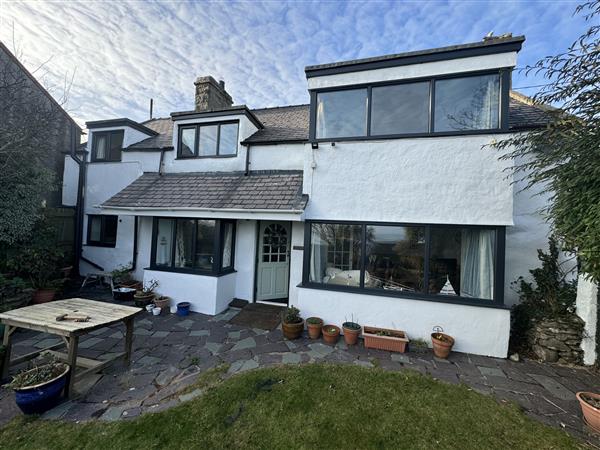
273,261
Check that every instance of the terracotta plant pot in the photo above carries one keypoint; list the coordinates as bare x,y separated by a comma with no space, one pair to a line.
331,334
442,344
591,414
351,332
314,328
292,330
163,303
43,296
385,339
143,300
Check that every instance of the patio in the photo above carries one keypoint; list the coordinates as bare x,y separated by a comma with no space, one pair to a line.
170,352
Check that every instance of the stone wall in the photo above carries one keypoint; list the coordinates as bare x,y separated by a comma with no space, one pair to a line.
558,340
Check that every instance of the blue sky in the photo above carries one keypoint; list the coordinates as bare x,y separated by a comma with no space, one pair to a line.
120,54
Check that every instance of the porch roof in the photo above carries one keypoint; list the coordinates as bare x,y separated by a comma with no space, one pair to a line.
259,191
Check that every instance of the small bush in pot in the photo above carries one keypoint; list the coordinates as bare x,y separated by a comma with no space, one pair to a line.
145,296
314,325
351,331
442,343
292,324
331,334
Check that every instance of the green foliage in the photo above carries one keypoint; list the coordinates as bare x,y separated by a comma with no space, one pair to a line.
292,315
549,295
314,321
563,158
37,374
122,273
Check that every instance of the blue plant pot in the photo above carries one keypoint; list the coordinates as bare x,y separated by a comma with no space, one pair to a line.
183,308
39,399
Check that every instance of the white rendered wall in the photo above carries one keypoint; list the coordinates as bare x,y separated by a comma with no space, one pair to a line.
587,309
245,258
70,181
296,260
449,180
277,157
478,330
130,136
148,161
109,258
416,70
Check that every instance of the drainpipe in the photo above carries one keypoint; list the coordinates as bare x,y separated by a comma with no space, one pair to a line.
81,162
247,160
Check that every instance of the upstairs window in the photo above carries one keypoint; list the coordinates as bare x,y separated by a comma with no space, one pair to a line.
107,145
102,230
438,105
208,140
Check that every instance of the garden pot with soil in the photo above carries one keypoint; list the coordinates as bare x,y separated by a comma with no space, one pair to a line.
331,334
385,339
39,389
43,296
351,332
442,344
314,325
590,406
292,324
163,303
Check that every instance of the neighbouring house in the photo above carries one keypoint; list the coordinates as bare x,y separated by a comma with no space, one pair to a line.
30,116
379,201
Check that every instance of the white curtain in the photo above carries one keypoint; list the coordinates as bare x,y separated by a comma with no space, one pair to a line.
321,124
477,264
317,258
489,110
227,246
101,147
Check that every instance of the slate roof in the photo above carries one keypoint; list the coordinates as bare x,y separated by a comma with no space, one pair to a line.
164,138
285,123
523,115
273,190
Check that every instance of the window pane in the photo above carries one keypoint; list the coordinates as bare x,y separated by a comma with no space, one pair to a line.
205,239
101,144
184,243
208,140
342,113
400,109
462,262
110,229
116,145
188,142
395,258
95,228
228,139
164,242
467,103
226,260
335,254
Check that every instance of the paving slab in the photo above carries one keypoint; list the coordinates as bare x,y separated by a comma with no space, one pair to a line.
491,372
199,333
554,387
244,344
90,342
291,358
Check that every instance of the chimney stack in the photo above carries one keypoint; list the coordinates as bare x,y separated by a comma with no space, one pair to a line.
211,95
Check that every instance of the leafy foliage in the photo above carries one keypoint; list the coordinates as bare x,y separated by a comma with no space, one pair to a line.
563,158
292,315
550,295
38,374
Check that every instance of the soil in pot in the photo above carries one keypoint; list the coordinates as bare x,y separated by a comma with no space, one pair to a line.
590,406
292,330
442,344
45,395
163,303
351,332
314,325
142,300
331,334
43,296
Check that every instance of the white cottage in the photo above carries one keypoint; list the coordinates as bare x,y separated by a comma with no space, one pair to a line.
379,200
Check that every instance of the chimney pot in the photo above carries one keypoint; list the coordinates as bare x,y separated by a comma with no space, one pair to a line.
211,95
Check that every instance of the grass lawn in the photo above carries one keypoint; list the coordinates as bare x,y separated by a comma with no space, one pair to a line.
311,406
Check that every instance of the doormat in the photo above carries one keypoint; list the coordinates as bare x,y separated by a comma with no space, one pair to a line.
258,315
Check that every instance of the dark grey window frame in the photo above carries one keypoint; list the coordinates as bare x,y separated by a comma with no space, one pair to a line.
197,126
499,261
218,241
102,242
505,74
109,134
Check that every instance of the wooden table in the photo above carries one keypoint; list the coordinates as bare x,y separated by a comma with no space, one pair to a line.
42,318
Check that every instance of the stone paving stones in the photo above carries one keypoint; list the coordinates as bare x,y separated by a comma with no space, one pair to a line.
233,335
90,342
47,343
113,413
242,366
318,350
291,358
160,334
199,333
148,360
362,363
142,332
213,347
491,372
244,344
187,324
554,387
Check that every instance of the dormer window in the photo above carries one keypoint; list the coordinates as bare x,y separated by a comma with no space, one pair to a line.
443,105
107,145
208,140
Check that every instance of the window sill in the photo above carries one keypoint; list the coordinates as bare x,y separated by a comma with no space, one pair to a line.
99,244
412,135
406,295
104,161
206,157
192,271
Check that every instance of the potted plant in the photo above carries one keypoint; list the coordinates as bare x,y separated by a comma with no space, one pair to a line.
163,303
292,323
314,325
331,334
145,296
442,343
351,331
39,389
590,406
385,339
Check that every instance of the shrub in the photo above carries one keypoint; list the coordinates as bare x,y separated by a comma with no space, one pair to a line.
292,315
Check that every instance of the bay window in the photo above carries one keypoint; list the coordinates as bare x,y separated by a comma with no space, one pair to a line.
193,245
434,262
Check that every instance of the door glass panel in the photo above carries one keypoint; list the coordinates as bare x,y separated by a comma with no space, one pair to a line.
275,243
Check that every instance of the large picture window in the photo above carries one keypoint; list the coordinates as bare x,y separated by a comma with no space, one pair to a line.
455,263
193,245
455,104
102,230
107,145
208,140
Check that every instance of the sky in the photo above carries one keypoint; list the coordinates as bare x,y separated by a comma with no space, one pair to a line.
116,55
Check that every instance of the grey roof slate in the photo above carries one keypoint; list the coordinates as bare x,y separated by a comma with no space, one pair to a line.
274,190
284,123
524,116
164,139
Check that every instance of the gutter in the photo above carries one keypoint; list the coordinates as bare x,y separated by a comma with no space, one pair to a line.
215,210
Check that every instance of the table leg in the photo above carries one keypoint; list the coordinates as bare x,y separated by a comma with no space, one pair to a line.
128,339
7,347
72,362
